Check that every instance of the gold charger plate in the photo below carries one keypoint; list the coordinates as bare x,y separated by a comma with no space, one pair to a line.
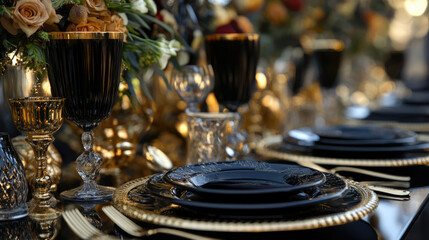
153,213
263,150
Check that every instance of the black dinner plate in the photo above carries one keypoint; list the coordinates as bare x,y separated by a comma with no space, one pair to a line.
333,188
246,178
417,146
352,136
417,98
362,133
401,113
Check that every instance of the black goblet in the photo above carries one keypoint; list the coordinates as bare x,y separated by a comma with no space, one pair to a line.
85,68
234,58
327,55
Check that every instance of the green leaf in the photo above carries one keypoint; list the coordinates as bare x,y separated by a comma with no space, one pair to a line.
5,10
162,75
176,65
139,20
157,21
145,89
44,35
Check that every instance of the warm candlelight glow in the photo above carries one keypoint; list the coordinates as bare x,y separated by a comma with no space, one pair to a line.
416,7
261,79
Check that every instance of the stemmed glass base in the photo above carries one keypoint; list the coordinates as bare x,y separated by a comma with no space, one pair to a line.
88,165
88,193
44,210
43,206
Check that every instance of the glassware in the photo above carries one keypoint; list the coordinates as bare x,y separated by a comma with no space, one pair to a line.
207,137
38,118
327,55
85,68
17,82
45,229
15,230
192,83
26,154
13,184
234,58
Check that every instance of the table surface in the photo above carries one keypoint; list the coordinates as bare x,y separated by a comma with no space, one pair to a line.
391,220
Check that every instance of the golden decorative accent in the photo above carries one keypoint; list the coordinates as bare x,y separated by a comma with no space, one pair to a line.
37,115
26,155
86,35
233,36
262,150
121,201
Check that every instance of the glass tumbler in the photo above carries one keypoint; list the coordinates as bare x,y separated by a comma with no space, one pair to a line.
207,135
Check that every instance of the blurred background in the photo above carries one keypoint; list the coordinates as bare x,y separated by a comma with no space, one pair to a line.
380,60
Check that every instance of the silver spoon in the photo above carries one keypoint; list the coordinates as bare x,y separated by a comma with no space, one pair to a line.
156,159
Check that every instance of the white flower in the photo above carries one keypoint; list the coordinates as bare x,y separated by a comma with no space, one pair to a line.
140,6
124,17
163,60
168,49
151,6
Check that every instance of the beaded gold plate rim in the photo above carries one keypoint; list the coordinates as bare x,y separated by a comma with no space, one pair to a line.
262,150
121,201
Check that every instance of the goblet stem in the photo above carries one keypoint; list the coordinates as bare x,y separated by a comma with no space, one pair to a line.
89,163
43,203
237,141
193,107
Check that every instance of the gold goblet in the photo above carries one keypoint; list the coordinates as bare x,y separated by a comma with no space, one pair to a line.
38,118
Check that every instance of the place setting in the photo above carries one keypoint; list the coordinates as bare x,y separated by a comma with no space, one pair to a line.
409,114
244,196
348,145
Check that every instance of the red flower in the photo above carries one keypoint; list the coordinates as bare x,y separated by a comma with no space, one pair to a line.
238,25
294,5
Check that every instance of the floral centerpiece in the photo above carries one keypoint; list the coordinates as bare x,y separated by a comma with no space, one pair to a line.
150,43
25,27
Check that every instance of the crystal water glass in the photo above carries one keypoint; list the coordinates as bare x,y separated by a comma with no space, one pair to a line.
208,135
192,83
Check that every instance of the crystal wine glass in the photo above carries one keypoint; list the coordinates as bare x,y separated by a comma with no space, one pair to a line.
38,118
192,83
234,58
85,68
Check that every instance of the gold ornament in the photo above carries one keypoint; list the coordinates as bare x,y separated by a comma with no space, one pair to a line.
26,155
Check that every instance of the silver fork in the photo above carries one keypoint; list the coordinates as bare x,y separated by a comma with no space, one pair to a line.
135,230
370,173
82,228
379,189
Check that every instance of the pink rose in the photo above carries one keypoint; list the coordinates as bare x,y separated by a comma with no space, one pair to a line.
30,15
53,17
97,7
